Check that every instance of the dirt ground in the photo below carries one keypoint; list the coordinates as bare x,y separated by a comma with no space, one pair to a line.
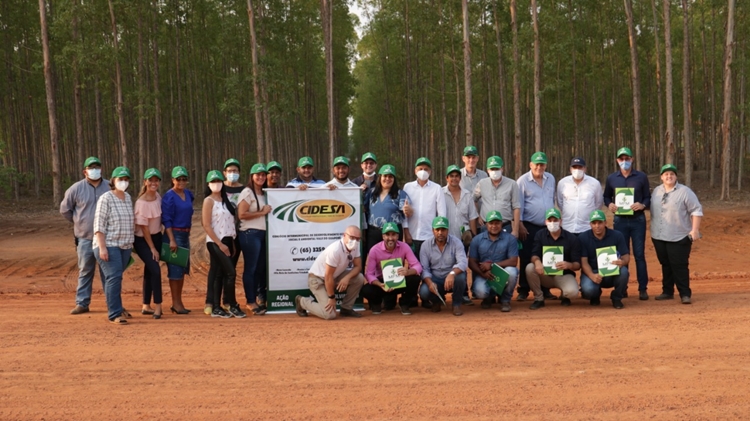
652,360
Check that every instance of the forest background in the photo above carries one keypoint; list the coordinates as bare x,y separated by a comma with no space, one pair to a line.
159,83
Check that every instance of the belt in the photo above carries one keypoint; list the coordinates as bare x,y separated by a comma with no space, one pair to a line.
506,223
181,229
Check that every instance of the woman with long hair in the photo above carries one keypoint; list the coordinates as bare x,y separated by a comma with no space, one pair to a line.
384,202
176,216
147,238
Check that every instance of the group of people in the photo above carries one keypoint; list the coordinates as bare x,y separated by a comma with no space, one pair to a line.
477,220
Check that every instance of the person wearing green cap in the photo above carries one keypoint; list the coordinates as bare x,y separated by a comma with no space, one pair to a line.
632,227
340,174
274,175
305,177
554,236
426,201
177,217
592,281
78,207
232,185
461,212
444,264
676,216
369,165
148,237
470,174
113,240
493,246
501,194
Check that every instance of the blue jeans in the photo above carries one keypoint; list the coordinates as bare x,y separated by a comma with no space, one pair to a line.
481,289
459,286
86,266
175,272
618,282
112,269
634,228
253,245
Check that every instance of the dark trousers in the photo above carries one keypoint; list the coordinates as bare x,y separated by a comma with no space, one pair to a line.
524,256
634,228
674,258
375,295
151,269
221,274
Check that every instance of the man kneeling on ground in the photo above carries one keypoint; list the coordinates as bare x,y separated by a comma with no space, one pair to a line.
444,264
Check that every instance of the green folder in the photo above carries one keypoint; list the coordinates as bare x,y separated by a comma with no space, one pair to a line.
604,258
624,198
179,257
499,279
551,255
391,279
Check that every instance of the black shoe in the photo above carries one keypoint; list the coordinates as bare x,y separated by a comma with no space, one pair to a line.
661,297
686,300
219,312
425,304
236,312
349,313
405,310
595,301
298,306
522,296
617,304
467,301
376,309
435,308
565,302
550,296
183,311
487,303
643,295
536,305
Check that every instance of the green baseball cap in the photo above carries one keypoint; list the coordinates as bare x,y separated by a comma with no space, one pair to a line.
470,150
179,171
91,160
597,215
305,161
387,169
369,155
152,172
232,161
259,167
494,216
624,151
273,164
423,160
452,168
494,162
121,172
440,222
552,213
668,167
341,160
390,227
539,158
214,175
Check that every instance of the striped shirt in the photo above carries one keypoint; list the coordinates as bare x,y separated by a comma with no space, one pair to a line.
115,219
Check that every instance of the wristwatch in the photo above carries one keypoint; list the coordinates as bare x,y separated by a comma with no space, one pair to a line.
332,297
453,272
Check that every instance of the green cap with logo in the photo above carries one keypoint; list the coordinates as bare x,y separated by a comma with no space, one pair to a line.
273,164
668,167
552,213
91,160
179,171
387,169
440,222
152,172
597,215
452,168
120,172
257,168
423,160
390,227
539,158
214,175
305,161
231,161
470,150
494,162
624,151
369,155
341,160
494,216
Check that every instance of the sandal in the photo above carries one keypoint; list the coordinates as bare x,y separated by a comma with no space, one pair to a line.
125,314
257,311
146,311
119,321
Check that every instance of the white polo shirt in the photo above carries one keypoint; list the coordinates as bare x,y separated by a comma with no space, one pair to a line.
336,255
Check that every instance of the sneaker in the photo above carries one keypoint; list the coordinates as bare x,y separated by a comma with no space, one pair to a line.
79,310
208,309
505,307
405,310
565,302
617,304
536,305
522,296
595,301
301,312
349,313
236,312
376,309
643,295
487,303
686,300
219,312
661,297
467,301
457,311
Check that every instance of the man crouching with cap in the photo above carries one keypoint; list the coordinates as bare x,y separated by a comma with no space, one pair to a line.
444,265
600,267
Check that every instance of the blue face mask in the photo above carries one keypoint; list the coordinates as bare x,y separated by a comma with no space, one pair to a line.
625,165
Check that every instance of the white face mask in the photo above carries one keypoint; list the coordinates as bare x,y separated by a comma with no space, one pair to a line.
94,173
352,244
122,185
553,226
232,177
368,175
577,174
423,175
496,175
215,187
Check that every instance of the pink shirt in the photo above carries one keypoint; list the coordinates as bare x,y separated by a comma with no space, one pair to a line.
148,213
379,253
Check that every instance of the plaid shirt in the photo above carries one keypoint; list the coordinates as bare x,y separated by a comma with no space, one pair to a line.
114,218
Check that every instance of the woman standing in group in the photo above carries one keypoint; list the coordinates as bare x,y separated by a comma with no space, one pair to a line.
147,238
384,202
113,240
218,222
177,215
252,213
675,223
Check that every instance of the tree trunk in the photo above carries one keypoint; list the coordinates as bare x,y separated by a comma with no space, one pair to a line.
635,83
501,85
80,147
577,141
741,153
157,106
118,87
260,150
686,103
658,83
467,74
142,147
670,113
51,109
516,92
537,81
326,13
727,115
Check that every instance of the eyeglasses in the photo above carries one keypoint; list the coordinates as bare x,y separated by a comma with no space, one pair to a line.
353,238
182,179
664,198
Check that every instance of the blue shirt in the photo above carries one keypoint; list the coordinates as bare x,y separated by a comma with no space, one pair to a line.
637,180
483,249
389,210
439,263
175,212
589,244
536,199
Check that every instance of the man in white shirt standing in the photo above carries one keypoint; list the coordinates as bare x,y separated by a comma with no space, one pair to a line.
340,174
426,200
577,196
